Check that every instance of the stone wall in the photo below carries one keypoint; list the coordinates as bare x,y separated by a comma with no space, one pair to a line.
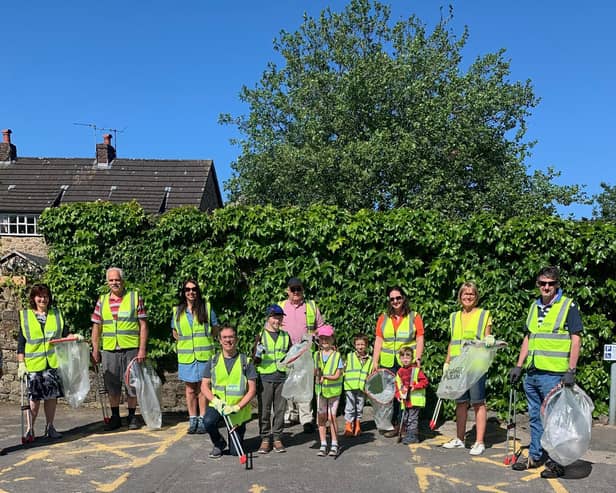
34,245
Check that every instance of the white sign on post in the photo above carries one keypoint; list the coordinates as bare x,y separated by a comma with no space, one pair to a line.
609,352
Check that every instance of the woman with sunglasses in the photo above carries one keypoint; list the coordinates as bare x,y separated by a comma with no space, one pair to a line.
192,324
399,326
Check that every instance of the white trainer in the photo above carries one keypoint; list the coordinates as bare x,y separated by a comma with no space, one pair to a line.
454,443
477,449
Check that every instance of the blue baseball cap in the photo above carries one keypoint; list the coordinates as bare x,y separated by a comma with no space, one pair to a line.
274,310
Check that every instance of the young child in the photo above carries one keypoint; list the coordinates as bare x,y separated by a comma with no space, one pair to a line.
357,367
411,386
328,367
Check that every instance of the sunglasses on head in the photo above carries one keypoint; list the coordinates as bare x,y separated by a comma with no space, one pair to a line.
547,283
396,298
190,290
296,289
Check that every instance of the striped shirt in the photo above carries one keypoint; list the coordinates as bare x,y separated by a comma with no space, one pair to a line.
114,305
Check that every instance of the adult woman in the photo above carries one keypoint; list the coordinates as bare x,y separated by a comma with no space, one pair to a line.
470,323
192,324
399,326
37,358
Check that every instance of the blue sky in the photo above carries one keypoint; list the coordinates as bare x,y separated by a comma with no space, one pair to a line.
163,71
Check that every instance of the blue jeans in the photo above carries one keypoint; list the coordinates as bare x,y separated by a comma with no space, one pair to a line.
537,386
211,426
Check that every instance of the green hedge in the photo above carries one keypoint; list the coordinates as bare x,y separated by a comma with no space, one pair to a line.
243,256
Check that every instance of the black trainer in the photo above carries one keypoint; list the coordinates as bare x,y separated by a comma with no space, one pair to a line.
114,423
524,463
552,470
133,423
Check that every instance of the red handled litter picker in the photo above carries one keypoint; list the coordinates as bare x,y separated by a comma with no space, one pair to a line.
237,443
27,430
511,458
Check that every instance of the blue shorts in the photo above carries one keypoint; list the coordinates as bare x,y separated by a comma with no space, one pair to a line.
476,394
191,372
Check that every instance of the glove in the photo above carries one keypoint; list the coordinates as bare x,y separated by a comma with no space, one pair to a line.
22,371
514,374
568,379
78,337
226,410
218,404
445,368
489,340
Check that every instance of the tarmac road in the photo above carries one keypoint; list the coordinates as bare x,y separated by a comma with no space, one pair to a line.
87,459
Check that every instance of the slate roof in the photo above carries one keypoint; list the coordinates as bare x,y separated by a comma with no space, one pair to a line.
29,185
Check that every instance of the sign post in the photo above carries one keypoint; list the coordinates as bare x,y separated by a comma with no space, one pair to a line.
609,354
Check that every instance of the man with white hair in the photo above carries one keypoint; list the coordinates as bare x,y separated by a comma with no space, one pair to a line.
120,318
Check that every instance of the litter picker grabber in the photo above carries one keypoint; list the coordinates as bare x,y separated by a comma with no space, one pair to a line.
101,392
437,411
27,429
511,425
404,415
235,439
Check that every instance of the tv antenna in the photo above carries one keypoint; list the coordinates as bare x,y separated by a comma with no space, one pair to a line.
95,128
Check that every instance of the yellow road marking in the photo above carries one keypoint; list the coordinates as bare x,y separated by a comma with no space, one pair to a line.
257,488
72,472
24,478
424,472
109,487
493,488
556,486
487,460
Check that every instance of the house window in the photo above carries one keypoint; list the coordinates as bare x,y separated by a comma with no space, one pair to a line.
19,225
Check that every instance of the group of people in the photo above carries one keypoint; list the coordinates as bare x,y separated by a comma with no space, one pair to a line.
225,381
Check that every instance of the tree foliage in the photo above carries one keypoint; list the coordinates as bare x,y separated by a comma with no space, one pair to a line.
366,113
242,256
606,203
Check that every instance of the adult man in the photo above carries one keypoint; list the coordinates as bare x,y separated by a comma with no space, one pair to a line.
229,384
550,348
301,319
121,317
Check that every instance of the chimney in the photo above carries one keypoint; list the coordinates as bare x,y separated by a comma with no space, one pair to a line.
105,153
8,152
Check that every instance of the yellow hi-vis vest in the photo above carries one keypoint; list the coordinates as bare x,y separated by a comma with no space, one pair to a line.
418,397
393,341
329,388
196,342
355,373
475,329
39,354
231,387
123,332
311,314
549,344
275,351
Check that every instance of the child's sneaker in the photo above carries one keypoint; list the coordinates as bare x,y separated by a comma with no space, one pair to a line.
454,443
333,451
408,439
348,429
357,430
322,451
192,425
477,449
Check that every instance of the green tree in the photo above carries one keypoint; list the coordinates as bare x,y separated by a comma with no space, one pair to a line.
606,203
369,114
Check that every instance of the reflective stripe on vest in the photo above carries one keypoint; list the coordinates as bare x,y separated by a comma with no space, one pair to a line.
355,373
123,332
418,397
476,328
38,353
549,344
196,342
273,353
231,387
329,388
393,340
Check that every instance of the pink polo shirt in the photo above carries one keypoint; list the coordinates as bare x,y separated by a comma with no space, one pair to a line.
294,321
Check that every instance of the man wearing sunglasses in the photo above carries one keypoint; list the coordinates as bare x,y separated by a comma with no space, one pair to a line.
301,319
549,353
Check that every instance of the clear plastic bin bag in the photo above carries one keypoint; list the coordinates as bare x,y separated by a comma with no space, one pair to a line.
380,389
299,385
466,369
566,414
147,384
73,366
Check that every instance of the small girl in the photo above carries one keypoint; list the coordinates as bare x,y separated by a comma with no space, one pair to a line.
328,367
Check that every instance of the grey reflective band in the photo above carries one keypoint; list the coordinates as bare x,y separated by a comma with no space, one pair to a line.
561,314
551,354
550,335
